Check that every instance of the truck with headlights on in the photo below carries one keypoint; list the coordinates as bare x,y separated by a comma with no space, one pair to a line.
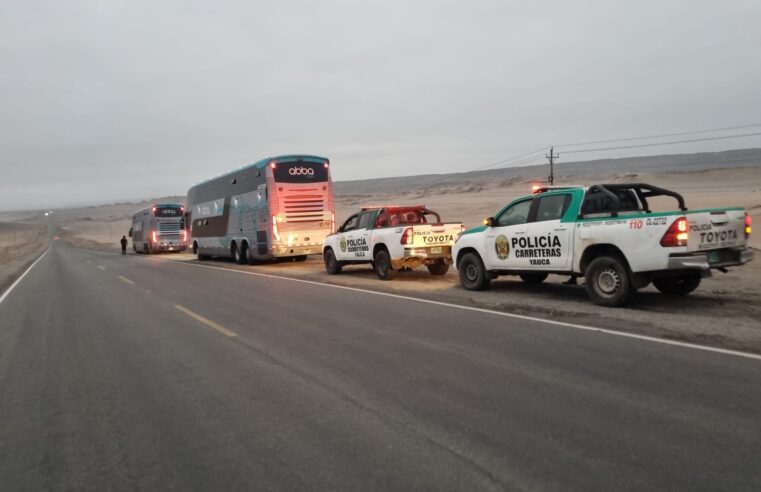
608,234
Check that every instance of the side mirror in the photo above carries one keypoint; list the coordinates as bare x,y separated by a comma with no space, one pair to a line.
130,232
489,222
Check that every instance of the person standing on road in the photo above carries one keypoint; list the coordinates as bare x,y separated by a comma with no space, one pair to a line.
124,245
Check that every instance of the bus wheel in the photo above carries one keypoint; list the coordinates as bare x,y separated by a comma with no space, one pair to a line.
383,267
240,254
438,268
332,266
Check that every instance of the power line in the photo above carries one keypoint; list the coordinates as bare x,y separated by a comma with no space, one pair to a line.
664,135
706,139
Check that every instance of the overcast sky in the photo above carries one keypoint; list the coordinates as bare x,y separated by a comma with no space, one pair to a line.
108,100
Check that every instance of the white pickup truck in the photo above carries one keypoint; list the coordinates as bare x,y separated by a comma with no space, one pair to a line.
608,234
392,238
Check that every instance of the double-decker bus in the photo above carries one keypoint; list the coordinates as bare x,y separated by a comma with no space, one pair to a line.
275,208
160,227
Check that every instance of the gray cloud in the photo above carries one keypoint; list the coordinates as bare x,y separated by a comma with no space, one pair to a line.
114,100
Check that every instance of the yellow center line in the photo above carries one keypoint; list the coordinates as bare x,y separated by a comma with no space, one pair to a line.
211,324
125,279
101,267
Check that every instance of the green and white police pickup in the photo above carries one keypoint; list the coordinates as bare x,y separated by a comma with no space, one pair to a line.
607,234
392,238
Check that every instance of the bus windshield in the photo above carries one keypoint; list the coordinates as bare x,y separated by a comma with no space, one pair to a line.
300,172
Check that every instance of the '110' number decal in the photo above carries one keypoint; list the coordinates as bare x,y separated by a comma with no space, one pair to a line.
636,224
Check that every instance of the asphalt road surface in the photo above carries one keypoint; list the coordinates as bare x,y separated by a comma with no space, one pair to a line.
137,373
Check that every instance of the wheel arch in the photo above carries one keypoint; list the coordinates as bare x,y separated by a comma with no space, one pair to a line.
598,250
465,251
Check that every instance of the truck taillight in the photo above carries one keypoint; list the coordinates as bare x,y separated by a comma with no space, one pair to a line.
275,231
677,233
748,222
153,236
407,236
184,235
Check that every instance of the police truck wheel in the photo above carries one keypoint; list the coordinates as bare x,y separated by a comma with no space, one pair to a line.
608,282
473,274
533,278
332,266
438,268
680,285
383,267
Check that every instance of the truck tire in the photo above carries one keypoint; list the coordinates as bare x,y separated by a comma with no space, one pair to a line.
383,268
533,278
438,268
608,283
332,266
472,272
680,285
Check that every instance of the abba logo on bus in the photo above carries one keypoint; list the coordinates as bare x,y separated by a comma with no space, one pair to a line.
301,171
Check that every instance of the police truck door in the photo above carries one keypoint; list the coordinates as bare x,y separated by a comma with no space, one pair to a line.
547,242
344,234
508,226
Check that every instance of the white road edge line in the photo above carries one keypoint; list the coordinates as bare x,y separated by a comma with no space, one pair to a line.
18,280
676,343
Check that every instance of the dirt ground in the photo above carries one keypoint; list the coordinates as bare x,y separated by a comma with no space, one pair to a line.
724,311
21,242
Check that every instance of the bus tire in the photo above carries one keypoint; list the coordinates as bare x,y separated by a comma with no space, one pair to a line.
533,278
383,268
608,281
473,275
240,254
438,268
332,265
681,285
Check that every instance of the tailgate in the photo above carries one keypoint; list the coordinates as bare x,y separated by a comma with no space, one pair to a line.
716,229
435,234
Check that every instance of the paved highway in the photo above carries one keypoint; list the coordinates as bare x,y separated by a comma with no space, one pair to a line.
137,373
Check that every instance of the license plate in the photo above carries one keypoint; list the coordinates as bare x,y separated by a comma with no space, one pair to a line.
436,250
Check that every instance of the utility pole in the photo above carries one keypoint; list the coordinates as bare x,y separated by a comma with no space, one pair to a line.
552,156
